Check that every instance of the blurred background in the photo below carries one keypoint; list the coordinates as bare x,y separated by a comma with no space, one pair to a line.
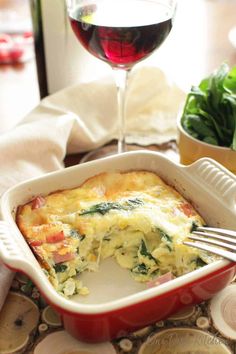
199,42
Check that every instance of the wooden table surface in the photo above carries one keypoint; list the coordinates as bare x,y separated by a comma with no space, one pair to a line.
197,45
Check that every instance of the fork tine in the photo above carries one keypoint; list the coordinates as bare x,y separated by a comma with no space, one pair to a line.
219,251
219,231
213,242
216,236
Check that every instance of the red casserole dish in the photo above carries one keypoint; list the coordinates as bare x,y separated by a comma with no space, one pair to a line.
115,308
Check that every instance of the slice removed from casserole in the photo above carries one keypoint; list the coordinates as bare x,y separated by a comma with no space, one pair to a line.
134,216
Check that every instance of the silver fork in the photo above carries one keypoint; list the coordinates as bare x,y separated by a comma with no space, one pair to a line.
223,239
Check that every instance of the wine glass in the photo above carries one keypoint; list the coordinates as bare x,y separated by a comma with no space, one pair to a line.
120,33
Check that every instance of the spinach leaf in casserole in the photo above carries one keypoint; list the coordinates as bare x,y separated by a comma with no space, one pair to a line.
75,234
164,235
140,269
105,207
144,251
60,268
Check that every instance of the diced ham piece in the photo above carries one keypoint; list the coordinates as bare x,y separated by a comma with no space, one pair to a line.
160,280
54,238
187,209
60,258
36,243
38,202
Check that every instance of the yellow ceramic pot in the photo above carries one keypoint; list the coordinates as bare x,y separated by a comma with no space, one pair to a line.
191,149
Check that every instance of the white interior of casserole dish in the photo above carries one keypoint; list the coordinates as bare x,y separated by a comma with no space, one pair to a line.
206,184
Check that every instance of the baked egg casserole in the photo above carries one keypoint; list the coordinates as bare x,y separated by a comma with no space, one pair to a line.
134,217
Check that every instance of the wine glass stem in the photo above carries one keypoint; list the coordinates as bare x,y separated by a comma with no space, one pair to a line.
121,79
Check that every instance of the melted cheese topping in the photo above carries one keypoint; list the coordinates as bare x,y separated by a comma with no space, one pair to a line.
134,217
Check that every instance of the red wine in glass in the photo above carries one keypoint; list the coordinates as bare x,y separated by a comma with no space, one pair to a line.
122,41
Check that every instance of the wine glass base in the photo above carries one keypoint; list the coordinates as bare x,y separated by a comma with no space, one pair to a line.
105,151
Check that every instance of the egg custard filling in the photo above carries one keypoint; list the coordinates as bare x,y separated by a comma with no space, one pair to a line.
134,217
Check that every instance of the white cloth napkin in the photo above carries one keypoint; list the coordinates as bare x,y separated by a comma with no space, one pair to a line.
81,118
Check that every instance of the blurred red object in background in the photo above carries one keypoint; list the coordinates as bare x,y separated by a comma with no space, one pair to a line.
16,48
16,34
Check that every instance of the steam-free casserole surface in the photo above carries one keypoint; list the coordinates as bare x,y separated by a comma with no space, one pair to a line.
133,216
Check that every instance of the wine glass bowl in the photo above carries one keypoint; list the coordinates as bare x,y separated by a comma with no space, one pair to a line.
121,33
118,39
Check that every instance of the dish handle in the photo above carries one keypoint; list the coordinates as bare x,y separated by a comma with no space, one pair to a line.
11,252
216,178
